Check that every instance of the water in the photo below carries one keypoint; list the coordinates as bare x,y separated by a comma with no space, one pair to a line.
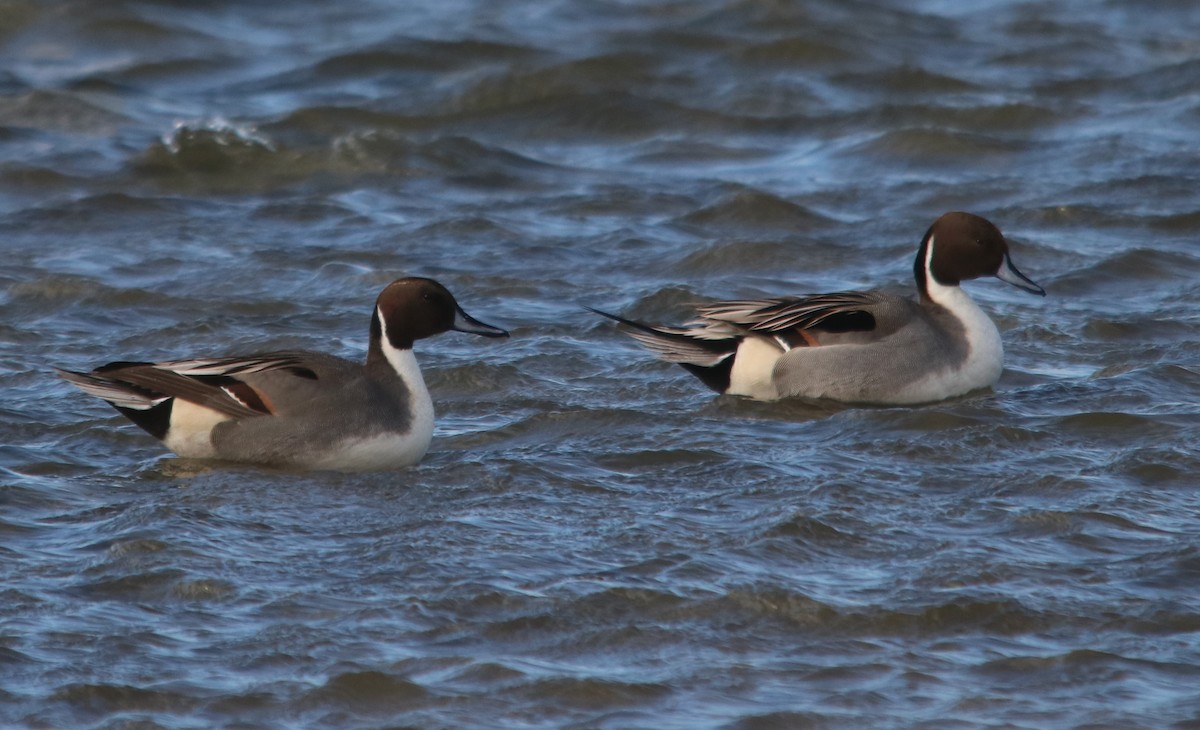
596,541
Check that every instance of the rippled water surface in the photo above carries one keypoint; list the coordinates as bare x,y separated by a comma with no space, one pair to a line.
595,540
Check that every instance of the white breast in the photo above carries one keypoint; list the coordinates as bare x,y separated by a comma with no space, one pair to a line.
389,450
404,362
386,451
985,351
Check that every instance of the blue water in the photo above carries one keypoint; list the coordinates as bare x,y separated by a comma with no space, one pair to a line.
595,540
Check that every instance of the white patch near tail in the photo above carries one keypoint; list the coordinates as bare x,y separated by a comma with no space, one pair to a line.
190,431
754,368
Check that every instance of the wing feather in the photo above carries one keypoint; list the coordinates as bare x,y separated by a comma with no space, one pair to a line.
683,345
782,314
121,395
215,383
231,366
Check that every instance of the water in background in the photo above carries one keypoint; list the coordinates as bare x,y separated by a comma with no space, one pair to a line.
595,540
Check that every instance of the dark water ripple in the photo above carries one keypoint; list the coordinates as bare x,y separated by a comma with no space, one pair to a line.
594,541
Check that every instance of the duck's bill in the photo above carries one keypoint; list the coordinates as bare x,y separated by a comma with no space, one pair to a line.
464,322
1009,274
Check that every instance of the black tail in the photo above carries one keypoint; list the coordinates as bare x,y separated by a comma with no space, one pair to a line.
150,410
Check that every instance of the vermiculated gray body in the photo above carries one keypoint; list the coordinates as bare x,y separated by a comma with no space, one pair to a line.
910,343
308,411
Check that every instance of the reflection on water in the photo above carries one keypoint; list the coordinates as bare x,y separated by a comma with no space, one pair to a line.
594,539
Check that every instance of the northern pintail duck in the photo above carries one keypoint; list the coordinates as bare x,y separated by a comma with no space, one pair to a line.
856,347
297,408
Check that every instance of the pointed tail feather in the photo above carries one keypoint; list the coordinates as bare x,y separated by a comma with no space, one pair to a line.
676,344
118,394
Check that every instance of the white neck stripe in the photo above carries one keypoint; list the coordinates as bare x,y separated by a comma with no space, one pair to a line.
404,363
934,289
985,354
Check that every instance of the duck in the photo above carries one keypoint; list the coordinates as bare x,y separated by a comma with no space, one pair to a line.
297,409
857,347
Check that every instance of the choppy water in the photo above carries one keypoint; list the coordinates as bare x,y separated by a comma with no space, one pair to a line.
596,541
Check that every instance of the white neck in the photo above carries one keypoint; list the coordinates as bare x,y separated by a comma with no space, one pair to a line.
404,362
937,291
985,355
